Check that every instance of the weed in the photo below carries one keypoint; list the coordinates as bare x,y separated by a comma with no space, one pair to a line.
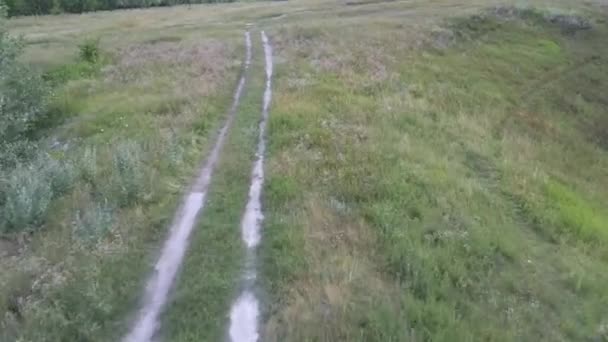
89,51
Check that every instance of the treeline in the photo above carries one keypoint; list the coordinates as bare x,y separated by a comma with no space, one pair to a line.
38,7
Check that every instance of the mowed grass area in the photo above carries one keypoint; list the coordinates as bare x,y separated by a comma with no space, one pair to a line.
440,180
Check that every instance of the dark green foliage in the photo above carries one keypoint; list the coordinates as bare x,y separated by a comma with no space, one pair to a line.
36,7
29,7
22,103
89,50
28,180
78,6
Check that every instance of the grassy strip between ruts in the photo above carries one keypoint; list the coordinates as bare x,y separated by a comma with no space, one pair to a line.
211,272
436,193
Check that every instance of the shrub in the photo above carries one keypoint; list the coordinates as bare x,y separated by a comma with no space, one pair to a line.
89,50
27,195
28,189
60,174
12,153
93,222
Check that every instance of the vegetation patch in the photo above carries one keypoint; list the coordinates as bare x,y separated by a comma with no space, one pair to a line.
577,215
433,186
481,25
90,173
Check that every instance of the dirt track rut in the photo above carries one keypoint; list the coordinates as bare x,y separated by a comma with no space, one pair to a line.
244,314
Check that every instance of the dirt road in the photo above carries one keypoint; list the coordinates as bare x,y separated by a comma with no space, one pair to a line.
172,255
245,310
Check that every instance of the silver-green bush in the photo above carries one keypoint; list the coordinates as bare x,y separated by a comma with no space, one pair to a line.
93,222
127,181
61,174
87,164
27,195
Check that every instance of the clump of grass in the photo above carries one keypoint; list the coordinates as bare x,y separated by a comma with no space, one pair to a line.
61,174
87,164
89,50
174,151
127,180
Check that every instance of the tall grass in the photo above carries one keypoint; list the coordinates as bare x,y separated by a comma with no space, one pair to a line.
127,180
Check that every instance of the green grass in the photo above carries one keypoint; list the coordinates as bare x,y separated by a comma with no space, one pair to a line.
574,213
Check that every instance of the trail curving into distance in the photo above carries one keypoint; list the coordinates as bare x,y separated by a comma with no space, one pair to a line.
245,310
160,282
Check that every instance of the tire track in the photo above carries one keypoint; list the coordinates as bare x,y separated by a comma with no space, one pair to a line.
160,282
244,313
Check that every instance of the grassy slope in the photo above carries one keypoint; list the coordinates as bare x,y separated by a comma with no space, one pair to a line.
438,194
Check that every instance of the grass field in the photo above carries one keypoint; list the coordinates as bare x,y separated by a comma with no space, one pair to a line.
436,171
